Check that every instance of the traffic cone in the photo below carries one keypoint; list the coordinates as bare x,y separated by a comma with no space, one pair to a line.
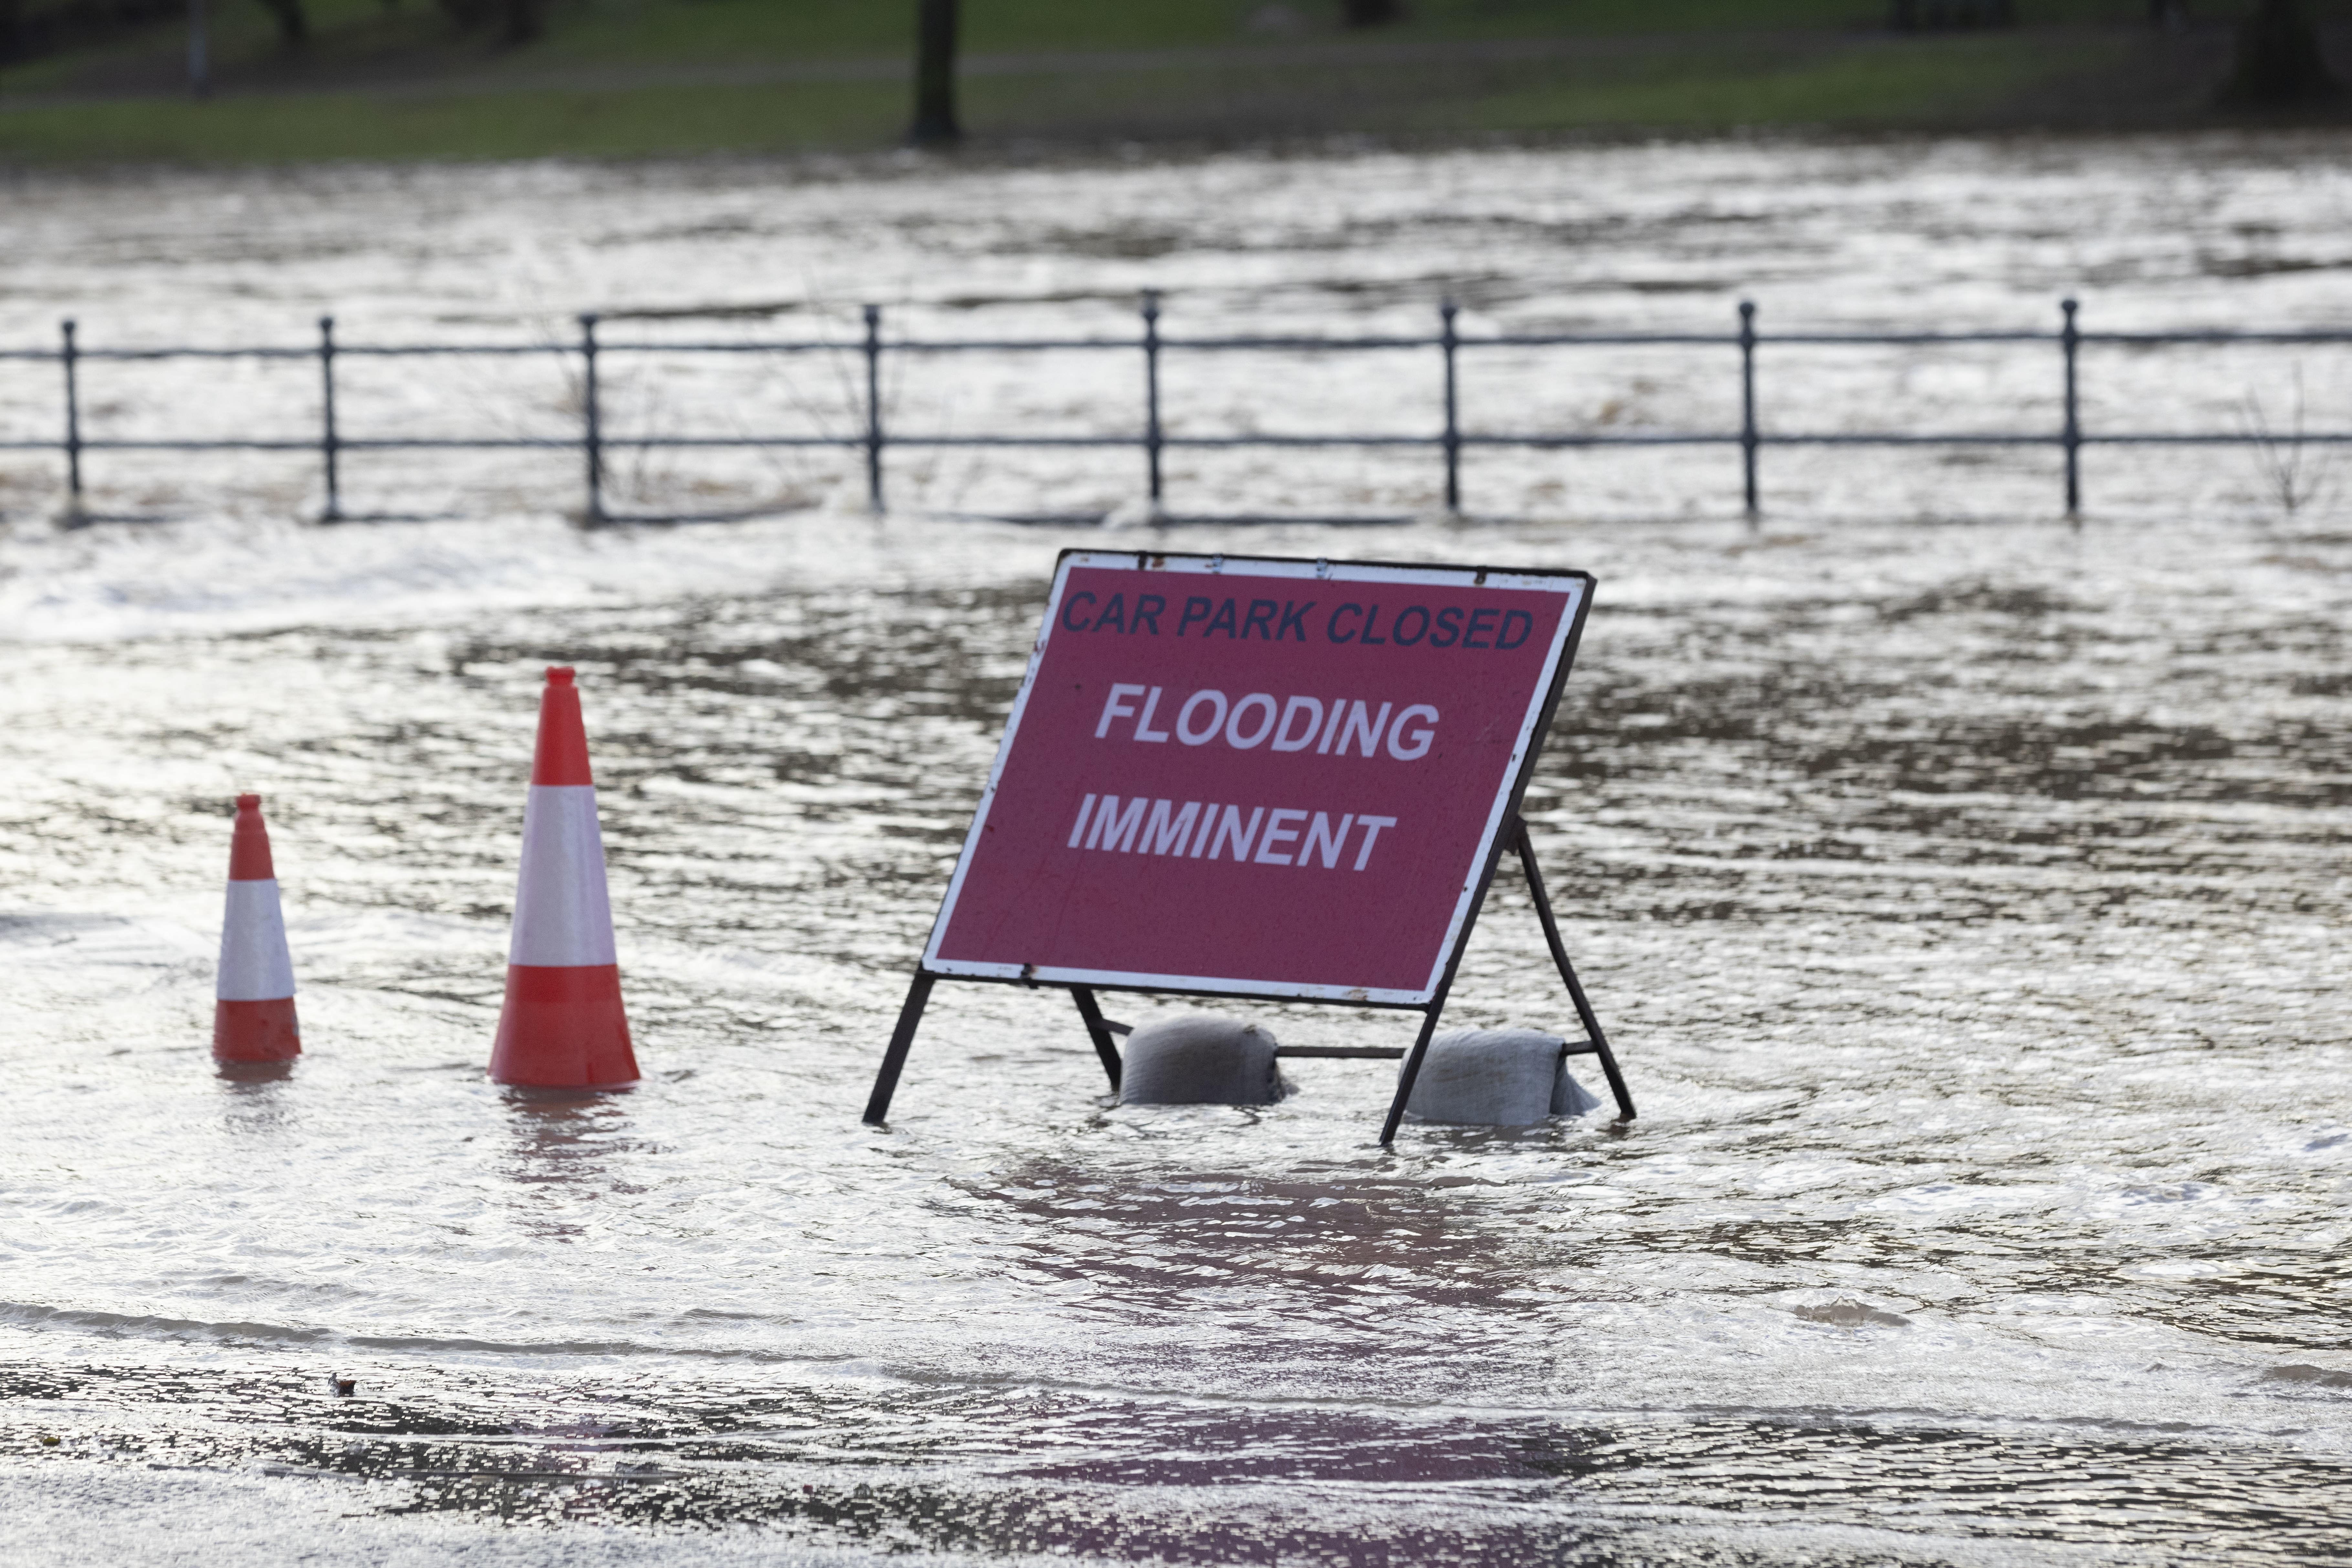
563,1026
253,1019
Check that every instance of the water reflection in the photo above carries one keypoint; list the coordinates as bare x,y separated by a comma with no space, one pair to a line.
560,1143
1346,1243
999,1471
254,1101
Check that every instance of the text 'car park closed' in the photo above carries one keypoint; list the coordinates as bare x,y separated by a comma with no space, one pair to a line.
1259,777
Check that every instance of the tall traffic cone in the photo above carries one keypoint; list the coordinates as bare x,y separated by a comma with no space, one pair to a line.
562,1026
253,1017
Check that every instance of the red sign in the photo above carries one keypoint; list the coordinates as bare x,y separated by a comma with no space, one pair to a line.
1278,778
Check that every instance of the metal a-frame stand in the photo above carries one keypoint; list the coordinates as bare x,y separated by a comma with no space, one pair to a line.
1101,1030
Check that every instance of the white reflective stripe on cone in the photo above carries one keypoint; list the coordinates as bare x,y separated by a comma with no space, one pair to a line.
564,919
254,965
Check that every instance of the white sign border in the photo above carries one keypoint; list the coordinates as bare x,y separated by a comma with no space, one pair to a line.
1159,564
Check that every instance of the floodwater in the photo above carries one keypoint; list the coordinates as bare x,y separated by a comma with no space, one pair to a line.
1965,893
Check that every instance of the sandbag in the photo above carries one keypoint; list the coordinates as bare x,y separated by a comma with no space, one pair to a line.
1495,1077
1201,1061
1569,1098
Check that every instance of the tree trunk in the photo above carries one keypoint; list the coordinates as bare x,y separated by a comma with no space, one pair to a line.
2279,61
517,21
935,86
523,21
293,26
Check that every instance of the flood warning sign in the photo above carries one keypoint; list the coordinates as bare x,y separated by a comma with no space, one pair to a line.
1269,777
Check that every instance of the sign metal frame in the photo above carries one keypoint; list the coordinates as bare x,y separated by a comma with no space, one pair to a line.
1504,828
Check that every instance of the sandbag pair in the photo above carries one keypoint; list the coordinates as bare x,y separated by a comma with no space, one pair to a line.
1493,1078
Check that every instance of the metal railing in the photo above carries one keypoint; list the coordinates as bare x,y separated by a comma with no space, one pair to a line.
1151,438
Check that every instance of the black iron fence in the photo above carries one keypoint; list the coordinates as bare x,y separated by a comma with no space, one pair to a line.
1448,439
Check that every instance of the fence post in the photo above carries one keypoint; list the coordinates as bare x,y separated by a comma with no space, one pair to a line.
66,357
1749,439
592,434
1447,342
1152,391
874,407
2069,339
327,441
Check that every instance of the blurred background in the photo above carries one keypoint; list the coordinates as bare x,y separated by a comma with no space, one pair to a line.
401,79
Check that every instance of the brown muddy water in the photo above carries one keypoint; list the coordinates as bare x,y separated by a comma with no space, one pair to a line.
1967,900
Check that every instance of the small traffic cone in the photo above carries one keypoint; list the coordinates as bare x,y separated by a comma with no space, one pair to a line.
253,1019
562,1026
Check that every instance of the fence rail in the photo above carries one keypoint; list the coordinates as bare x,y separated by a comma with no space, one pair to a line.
1152,439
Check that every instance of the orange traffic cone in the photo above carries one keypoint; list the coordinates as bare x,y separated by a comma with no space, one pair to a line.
253,1019
563,1026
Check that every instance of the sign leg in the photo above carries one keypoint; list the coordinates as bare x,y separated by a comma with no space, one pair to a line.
1584,1013
1098,1032
902,1039
1412,1069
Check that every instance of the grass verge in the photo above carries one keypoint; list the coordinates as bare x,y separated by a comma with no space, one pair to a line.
665,94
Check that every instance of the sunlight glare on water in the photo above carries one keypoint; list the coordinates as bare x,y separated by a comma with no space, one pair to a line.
1965,899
